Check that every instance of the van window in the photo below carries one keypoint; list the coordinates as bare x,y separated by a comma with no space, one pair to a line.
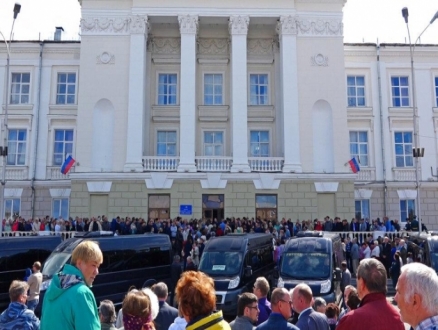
259,258
221,263
301,265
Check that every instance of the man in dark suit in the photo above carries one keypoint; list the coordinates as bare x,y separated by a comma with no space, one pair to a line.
167,314
386,254
281,311
302,303
175,273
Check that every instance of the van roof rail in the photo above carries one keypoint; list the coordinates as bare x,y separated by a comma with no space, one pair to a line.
310,233
101,233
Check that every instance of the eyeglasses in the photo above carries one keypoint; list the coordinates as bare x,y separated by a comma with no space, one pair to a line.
287,301
253,307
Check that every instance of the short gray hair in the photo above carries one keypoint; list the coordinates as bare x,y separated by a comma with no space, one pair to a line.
373,273
108,312
422,280
319,302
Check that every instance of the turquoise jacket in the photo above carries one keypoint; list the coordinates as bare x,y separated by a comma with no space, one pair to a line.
69,303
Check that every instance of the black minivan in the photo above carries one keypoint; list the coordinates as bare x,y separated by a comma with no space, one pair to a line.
315,259
129,260
234,262
19,253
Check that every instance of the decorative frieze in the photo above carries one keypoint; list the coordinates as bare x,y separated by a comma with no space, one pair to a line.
287,25
165,46
114,25
216,46
105,58
188,24
319,60
319,26
238,24
260,46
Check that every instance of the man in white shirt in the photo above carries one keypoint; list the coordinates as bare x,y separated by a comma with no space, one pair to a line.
375,253
366,251
34,282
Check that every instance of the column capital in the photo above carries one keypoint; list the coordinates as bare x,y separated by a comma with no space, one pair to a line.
139,24
188,24
287,25
238,24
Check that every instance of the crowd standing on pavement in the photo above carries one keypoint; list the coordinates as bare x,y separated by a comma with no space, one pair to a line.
70,302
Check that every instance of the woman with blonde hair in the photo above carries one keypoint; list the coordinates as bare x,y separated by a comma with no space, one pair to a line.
197,302
140,308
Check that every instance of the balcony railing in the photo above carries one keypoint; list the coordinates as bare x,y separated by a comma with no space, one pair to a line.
366,174
213,164
160,163
54,173
15,172
266,164
404,174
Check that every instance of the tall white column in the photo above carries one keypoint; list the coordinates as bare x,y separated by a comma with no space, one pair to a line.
287,31
137,93
188,26
238,27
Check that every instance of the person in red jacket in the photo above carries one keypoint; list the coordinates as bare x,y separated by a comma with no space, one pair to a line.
375,312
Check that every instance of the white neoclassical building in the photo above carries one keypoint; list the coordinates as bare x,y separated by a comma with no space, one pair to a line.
202,109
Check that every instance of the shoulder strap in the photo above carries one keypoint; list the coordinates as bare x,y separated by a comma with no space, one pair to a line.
209,324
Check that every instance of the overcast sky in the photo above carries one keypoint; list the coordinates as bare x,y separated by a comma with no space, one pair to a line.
364,20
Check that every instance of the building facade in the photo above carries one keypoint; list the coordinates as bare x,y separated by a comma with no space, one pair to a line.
202,110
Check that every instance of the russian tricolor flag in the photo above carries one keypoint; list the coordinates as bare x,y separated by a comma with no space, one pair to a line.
354,165
68,163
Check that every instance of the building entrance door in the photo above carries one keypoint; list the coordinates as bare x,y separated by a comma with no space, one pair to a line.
213,207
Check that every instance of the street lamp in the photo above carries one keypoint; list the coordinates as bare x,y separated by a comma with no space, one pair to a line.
417,152
4,148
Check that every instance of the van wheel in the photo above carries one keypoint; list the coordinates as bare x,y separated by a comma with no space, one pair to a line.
149,283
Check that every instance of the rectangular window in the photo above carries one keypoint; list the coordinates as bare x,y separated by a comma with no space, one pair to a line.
60,208
213,94
403,149
63,146
166,143
167,86
259,144
258,87
407,209
356,91
12,207
17,139
400,91
66,88
436,91
359,147
20,88
266,207
213,143
362,209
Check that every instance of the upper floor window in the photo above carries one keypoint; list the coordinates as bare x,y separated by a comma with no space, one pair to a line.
362,208
259,144
66,88
11,208
63,145
403,149
20,88
17,147
356,91
359,146
213,143
436,91
407,209
60,208
167,87
213,91
166,143
258,87
400,91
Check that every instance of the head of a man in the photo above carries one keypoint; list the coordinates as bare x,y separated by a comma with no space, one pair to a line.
371,277
281,302
416,293
320,305
302,297
261,287
161,290
87,257
107,312
36,267
18,291
347,290
247,305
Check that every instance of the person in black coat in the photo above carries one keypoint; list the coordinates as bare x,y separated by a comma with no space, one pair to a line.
166,313
190,264
175,273
386,254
